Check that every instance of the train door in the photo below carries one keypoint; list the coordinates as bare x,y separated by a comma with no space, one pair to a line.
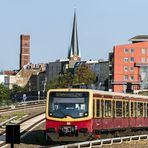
97,111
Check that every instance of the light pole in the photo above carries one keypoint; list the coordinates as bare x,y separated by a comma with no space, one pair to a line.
44,86
29,86
38,90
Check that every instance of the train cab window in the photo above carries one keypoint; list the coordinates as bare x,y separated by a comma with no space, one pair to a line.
98,108
132,109
108,108
139,109
73,104
118,108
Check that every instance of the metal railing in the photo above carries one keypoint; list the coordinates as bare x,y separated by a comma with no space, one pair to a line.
102,142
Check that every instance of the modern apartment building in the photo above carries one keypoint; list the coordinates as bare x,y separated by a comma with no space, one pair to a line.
129,64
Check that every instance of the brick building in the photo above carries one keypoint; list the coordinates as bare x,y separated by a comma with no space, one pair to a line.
129,63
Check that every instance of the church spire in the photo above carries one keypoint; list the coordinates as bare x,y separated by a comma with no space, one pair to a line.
73,51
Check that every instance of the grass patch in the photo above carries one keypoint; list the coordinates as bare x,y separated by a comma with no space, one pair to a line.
6,117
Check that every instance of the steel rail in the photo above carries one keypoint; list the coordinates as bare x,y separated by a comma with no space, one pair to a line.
23,132
20,107
19,104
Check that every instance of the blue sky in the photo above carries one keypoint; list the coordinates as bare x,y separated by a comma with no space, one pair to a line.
101,25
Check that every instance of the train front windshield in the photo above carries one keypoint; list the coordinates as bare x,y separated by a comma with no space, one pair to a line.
73,104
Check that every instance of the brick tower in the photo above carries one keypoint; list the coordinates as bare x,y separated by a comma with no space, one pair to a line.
24,50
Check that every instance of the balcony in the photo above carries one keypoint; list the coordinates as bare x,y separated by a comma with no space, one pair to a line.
140,64
124,83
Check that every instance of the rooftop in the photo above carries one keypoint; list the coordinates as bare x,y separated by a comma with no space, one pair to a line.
139,38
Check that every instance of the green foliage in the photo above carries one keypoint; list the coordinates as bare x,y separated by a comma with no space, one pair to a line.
4,95
84,75
18,89
61,81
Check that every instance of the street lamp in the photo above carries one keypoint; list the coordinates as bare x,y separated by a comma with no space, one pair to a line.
29,86
44,86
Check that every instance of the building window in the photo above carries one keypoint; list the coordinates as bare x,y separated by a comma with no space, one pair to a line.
143,60
143,51
132,51
131,68
125,59
125,68
131,78
126,50
126,77
132,59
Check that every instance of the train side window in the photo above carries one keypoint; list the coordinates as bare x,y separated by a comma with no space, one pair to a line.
144,109
108,108
118,108
147,110
114,110
125,109
132,109
139,109
98,108
102,107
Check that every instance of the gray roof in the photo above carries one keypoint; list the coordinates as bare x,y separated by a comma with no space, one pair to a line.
139,38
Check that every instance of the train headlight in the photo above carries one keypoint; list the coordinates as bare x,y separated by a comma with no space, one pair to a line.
86,114
50,114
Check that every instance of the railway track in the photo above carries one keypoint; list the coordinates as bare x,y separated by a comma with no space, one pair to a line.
25,126
26,105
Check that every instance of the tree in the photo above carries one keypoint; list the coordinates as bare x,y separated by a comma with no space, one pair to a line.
4,94
84,75
61,81
18,89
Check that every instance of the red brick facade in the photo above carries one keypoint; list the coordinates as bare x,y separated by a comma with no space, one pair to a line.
24,50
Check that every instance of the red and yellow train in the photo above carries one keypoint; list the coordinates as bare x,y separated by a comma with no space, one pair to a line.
83,114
